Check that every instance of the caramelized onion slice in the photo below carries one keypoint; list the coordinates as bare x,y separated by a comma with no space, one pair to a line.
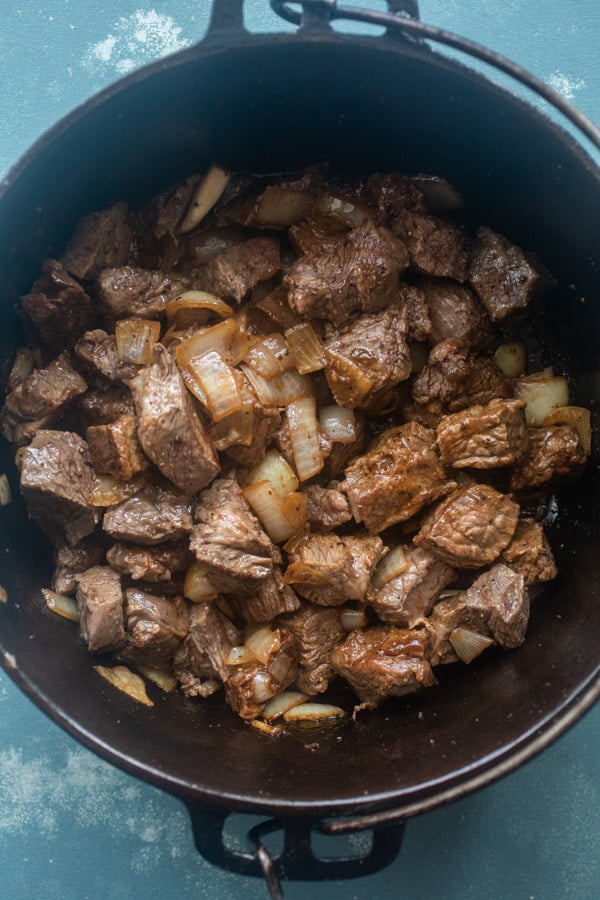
313,712
108,491
275,468
280,206
197,585
165,680
304,437
136,339
543,392
338,424
227,338
237,428
268,506
347,381
280,704
469,644
220,385
392,564
61,605
306,347
126,681
195,308
578,418
204,198
263,642
270,356
239,656
280,390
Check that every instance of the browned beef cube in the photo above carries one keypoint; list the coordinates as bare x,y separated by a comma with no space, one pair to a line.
115,449
316,630
149,517
128,291
155,627
163,211
484,437
170,431
455,312
100,603
471,527
417,308
374,344
329,569
354,272
454,376
555,454
158,563
272,598
412,594
101,407
200,661
58,307
250,686
237,269
384,661
96,352
267,421
496,605
229,540
101,239
436,247
57,482
398,475
69,562
484,384
503,276
40,399
530,554
392,194
429,415
327,508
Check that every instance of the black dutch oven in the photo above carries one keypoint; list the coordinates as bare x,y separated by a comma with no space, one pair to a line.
275,103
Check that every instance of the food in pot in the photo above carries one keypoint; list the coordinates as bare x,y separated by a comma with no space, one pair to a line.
285,431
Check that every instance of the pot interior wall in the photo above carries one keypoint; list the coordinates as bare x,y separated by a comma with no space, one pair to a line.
273,105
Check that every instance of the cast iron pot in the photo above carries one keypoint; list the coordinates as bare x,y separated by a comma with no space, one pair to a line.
275,103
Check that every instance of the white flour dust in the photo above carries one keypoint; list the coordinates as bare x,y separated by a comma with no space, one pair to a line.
566,85
133,41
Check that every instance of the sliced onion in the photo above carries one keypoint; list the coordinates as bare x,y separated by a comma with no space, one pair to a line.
228,338
338,424
263,642
5,492
3,595
61,605
543,392
164,680
239,656
126,681
341,209
270,356
274,312
392,564
219,383
352,618
578,418
304,437
295,508
280,390
306,347
448,592
469,644
511,359
347,381
275,468
440,194
266,728
306,573
108,491
204,198
237,428
195,308
280,704
313,712
23,365
262,687
136,339
268,506
197,585
280,207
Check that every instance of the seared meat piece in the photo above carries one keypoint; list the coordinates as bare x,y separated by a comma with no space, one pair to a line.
412,594
471,527
327,508
384,661
170,431
115,448
96,351
357,271
100,603
503,276
155,627
455,312
128,291
417,309
200,661
237,269
529,553
429,416
101,407
398,475
496,605
329,569
484,384
375,345
101,239
555,454
149,517
392,194
40,399
454,376
229,540
57,482
271,599
250,686
436,247
267,421
316,630
163,211
153,564
69,562
484,437
58,307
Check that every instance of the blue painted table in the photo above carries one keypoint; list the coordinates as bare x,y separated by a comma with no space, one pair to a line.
73,827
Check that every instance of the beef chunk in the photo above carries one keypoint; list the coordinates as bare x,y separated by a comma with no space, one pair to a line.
96,352
149,517
384,661
503,276
229,540
484,437
155,627
529,553
429,416
69,562
101,407
250,686
555,454
412,594
271,599
455,312
375,346
200,661
237,269
40,399
485,382
327,508
100,603
398,475
266,423
169,429
128,291
101,239
436,246
392,195
115,449
57,482
496,605
417,309
354,272
58,307
471,527
329,570
158,563
454,376
316,631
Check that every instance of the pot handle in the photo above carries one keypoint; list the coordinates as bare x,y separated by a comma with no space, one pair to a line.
298,859
226,19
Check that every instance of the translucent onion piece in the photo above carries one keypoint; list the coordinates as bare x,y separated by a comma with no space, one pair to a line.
511,359
164,680
280,704
239,656
195,308
262,687
270,356
197,585
263,642
275,468
268,506
136,339
440,195
220,384
338,424
469,644
543,392
304,437
280,206
341,209
265,727
3,595
276,312
448,592
313,712
392,564
204,198
228,338
238,428
348,382
22,367
352,618
280,390
305,573
578,418
61,605
295,508
126,681
5,493
306,347
108,491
